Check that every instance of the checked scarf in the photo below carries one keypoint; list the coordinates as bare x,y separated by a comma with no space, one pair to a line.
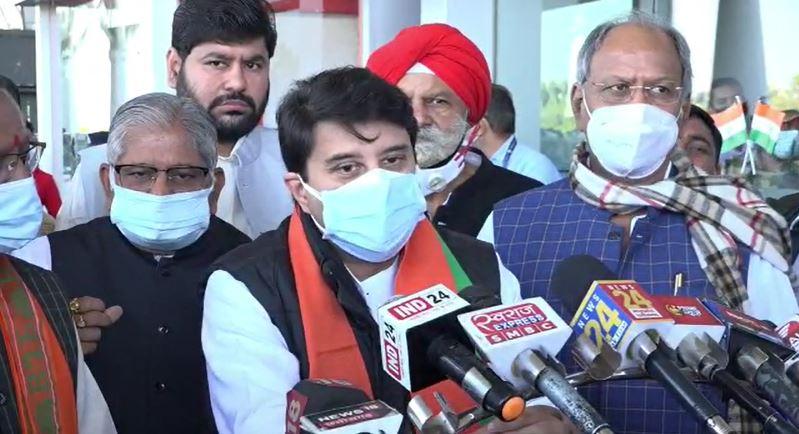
719,211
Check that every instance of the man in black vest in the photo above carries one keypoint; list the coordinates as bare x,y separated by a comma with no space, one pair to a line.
447,79
30,295
149,257
358,237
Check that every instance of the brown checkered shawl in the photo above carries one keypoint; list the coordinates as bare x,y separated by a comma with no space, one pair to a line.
719,210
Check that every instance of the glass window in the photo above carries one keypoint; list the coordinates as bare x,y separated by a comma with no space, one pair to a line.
563,30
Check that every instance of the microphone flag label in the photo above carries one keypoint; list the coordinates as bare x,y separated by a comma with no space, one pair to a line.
500,333
512,322
613,312
790,332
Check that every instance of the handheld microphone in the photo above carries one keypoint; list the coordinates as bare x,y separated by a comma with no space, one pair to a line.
742,330
696,336
422,330
336,407
621,314
521,341
767,373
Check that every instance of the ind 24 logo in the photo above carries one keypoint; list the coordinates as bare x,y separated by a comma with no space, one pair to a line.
609,309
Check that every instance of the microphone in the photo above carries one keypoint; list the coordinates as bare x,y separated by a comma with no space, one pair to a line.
767,373
621,314
520,342
336,407
422,330
742,330
696,336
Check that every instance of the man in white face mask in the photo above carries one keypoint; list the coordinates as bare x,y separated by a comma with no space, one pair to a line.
633,200
301,301
148,258
447,79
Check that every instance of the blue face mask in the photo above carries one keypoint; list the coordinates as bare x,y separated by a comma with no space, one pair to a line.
786,146
21,214
160,223
374,216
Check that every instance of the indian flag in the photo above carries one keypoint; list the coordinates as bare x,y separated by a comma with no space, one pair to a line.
732,126
766,125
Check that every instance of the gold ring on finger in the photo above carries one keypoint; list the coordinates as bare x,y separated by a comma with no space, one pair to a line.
74,306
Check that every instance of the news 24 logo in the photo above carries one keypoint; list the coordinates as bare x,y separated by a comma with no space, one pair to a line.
512,322
608,310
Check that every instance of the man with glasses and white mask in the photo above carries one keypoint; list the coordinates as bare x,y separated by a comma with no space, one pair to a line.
633,200
148,258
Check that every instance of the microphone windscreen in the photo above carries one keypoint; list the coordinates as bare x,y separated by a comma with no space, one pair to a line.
480,297
573,276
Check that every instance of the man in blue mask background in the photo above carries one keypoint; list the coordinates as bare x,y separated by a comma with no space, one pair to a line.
148,258
631,200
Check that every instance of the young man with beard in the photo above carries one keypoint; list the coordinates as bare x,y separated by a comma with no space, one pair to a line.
447,79
220,57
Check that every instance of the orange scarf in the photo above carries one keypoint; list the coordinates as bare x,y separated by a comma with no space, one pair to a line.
43,386
333,352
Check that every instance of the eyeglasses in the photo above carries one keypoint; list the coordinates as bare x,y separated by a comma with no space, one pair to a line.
9,163
179,179
619,93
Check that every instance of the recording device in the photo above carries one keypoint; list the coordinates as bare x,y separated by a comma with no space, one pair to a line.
697,346
620,313
521,342
423,344
337,407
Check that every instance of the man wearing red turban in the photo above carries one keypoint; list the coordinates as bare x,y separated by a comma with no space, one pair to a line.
447,79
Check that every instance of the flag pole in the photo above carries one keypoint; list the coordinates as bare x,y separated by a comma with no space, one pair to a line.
748,151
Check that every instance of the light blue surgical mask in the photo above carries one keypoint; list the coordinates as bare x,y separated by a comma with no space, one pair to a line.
374,216
21,214
786,147
160,223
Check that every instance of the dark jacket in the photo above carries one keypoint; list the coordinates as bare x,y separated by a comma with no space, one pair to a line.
149,364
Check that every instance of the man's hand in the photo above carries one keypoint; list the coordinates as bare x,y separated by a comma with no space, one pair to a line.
90,316
537,419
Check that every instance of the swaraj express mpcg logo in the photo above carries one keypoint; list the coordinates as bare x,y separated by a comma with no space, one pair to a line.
512,322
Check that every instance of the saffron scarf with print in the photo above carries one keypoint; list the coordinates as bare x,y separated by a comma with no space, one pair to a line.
718,210
43,386
333,352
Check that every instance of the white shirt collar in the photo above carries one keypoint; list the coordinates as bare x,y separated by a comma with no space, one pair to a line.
379,288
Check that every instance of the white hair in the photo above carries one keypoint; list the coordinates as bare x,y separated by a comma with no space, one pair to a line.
161,111
598,35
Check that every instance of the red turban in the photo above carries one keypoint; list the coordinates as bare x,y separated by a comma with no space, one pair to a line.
445,51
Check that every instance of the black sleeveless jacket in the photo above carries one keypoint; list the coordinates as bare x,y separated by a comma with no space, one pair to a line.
264,267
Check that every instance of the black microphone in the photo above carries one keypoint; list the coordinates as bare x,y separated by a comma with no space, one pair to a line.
337,407
695,337
421,331
620,313
768,374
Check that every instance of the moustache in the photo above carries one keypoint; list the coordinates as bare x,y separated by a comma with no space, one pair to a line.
240,97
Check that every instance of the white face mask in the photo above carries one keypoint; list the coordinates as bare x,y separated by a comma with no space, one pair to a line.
374,216
631,140
160,223
21,214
